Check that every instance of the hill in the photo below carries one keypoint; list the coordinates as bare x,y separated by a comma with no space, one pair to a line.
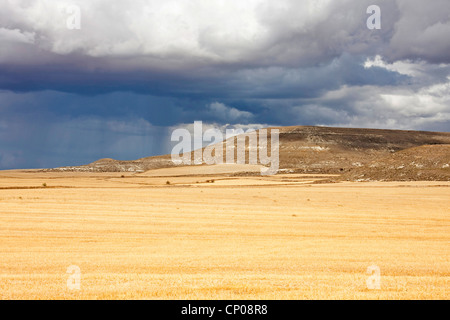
429,162
357,154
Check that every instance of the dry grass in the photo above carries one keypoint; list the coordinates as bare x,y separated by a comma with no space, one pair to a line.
136,237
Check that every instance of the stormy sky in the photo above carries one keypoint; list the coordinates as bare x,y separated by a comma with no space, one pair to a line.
134,71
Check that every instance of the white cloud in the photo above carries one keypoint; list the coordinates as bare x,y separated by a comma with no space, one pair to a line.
427,108
427,102
284,32
417,70
403,67
212,29
226,113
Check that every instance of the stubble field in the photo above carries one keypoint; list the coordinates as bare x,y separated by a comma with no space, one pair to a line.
157,236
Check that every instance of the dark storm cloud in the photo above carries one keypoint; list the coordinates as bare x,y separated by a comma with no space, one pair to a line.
267,49
271,82
126,53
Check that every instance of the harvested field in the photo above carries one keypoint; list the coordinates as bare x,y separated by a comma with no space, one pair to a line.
277,237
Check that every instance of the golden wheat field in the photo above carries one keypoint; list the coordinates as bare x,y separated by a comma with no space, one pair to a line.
173,235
